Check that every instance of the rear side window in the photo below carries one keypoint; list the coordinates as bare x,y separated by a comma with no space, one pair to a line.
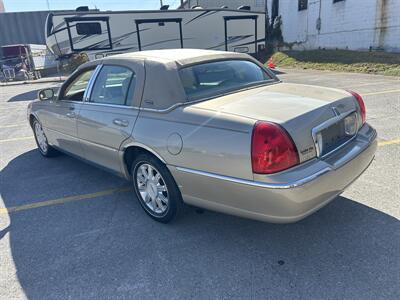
113,85
216,78
88,28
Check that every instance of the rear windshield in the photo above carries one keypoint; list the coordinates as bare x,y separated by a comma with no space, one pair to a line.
220,77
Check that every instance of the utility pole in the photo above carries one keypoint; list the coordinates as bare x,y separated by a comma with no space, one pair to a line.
161,3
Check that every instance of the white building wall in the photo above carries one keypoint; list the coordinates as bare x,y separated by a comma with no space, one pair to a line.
349,24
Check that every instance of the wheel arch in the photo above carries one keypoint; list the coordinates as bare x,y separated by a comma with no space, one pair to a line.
132,150
32,117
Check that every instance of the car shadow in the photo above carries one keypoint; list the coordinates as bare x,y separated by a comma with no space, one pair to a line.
106,247
27,96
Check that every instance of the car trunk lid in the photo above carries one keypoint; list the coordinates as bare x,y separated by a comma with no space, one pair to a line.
297,108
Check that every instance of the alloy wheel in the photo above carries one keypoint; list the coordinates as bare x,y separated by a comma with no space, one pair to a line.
152,188
41,137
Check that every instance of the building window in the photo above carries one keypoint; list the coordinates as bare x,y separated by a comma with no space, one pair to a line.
334,1
303,4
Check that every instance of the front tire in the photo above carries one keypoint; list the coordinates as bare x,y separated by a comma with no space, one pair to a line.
156,189
41,140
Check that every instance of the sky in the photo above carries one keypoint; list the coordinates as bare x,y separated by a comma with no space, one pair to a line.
30,5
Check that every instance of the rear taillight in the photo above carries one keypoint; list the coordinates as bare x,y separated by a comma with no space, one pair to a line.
361,105
272,149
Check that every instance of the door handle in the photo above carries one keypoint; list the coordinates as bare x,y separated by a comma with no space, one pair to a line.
71,115
119,122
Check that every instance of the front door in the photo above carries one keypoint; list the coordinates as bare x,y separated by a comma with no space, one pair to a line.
107,118
59,118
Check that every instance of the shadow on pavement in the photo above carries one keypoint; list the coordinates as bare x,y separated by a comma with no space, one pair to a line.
108,248
27,96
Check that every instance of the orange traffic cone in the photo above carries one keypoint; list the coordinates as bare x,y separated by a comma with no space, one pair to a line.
271,64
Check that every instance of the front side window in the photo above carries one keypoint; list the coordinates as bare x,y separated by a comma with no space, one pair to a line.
216,78
76,89
112,86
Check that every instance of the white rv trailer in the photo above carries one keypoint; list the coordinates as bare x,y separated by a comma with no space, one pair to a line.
99,34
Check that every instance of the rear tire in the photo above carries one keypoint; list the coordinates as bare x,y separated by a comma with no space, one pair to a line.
156,189
41,140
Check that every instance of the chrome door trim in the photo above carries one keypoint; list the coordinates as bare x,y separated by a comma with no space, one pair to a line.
121,122
59,132
288,185
178,104
71,115
91,82
111,105
98,145
66,101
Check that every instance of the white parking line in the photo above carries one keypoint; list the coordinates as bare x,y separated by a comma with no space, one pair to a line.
13,125
7,210
17,139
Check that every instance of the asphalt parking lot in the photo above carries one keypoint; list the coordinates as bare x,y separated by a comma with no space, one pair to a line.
71,231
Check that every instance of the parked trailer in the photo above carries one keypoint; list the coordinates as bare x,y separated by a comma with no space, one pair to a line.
99,34
26,61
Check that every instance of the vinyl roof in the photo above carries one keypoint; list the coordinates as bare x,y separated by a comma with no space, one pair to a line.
180,56
163,84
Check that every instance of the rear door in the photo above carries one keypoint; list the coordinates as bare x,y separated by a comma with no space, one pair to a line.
108,115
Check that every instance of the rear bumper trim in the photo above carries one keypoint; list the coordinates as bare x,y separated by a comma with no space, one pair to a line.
289,185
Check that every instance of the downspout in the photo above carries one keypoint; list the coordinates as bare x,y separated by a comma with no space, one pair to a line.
319,17
266,24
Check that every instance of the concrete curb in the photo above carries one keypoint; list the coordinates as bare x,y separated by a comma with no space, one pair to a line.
42,80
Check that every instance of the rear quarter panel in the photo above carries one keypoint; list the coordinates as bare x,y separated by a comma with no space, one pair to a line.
210,141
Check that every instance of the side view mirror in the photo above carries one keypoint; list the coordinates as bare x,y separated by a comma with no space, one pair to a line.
46,94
